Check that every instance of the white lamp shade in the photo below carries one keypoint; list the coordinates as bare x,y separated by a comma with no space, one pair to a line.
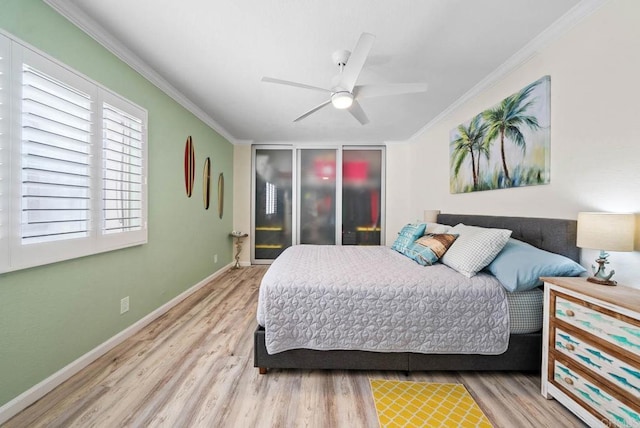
430,216
606,231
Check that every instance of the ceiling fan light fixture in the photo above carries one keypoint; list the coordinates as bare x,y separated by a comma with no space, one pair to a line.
342,100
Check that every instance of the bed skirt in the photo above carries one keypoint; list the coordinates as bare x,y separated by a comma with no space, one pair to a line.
523,354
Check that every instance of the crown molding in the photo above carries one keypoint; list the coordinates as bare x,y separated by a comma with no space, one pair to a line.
85,23
561,26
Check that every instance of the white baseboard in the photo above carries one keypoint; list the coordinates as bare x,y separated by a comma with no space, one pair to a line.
37,391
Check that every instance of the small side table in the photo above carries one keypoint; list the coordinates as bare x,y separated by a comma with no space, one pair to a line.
238,238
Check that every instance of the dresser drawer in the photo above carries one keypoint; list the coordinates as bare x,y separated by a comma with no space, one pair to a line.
597,361
622,332
594,397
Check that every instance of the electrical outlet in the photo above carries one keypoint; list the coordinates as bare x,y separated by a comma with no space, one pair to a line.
215,258
124,305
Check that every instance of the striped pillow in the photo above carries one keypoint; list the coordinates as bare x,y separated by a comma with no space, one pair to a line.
475,248
429,248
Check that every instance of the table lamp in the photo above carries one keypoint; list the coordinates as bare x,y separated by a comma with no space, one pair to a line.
430,216
605,231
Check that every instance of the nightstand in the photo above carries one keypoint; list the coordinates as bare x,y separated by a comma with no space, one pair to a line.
591,350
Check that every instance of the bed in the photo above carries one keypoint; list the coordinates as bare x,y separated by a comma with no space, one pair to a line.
514,352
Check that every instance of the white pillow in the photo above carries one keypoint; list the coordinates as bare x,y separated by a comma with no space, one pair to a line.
437,228
475,248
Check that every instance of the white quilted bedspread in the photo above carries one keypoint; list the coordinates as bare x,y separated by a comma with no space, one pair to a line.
375,299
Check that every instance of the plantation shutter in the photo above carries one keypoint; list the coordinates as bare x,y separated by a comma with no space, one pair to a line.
56,161
73,163
123,171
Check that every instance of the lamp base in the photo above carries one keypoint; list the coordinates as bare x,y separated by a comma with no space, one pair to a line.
608,282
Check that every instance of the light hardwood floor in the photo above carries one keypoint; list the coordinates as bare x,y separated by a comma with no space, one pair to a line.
194,367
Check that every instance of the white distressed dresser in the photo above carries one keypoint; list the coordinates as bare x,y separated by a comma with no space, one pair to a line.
591,350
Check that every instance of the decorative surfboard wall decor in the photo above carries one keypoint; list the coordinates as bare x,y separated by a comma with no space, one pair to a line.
220,195
206,183
189,166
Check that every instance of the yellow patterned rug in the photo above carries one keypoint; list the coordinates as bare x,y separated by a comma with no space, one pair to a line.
421,404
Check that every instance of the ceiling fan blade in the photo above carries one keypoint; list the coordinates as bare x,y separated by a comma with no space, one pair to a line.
289,83
357,112
368,91
313,110
356,61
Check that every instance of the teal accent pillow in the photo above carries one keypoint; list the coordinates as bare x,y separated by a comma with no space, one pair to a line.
407,236
519,266
428,249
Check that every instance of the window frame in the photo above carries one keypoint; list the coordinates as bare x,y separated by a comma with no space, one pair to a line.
15,255
5,126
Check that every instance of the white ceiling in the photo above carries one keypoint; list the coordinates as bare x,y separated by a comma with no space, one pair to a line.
214,53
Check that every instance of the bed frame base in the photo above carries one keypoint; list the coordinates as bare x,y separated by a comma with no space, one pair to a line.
523,354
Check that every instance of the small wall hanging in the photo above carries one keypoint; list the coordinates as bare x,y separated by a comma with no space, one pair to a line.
220,194
206,183
189,166
506,145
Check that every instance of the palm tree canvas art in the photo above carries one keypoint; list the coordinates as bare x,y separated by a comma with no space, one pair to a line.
506,145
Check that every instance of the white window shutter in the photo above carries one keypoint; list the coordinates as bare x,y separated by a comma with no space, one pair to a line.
72,163
123,175
56,159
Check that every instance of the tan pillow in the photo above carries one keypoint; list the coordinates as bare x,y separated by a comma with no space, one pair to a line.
439,243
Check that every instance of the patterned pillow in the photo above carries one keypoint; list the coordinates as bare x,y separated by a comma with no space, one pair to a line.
407,236
430,248
475,248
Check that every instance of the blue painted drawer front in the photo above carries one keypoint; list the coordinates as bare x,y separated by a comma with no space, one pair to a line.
613,330
597,361
594,397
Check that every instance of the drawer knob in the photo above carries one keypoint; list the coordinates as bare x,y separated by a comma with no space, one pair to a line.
570,347
570,313
568,380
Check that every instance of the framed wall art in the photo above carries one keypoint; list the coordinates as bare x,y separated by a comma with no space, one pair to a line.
506,145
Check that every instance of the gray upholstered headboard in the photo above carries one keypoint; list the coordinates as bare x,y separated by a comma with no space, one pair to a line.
555,235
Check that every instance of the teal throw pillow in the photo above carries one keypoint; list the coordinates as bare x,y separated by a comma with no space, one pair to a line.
407,236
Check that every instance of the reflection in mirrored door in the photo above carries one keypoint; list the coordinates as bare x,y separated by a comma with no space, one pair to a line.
317,214
361,196
273,202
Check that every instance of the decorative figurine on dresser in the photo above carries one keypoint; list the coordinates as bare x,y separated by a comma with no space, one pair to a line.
591,350
238,236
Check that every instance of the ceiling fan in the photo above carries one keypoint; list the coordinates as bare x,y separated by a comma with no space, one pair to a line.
344,93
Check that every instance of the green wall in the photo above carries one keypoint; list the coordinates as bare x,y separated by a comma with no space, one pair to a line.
53,314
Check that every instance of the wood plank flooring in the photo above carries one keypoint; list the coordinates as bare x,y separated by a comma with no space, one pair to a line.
193,367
